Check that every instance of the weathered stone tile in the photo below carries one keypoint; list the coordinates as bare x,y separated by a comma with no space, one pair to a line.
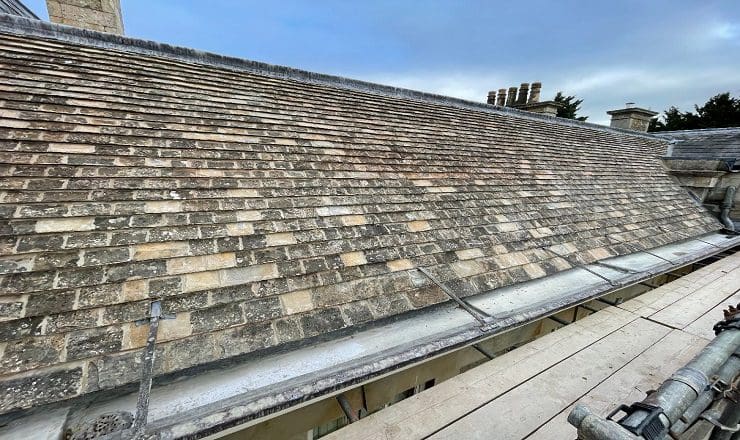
10,309
69,321
144,269
94,342
39,388
234,231
19,328
31,352
105,256
250,274
297,302
262,309
287,330
26,282
353,258
321,321
215,318
154,251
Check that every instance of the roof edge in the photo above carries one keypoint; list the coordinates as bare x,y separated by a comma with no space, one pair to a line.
36,28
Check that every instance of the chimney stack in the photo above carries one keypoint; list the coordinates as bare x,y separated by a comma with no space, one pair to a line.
525,99
631,118
534,94
96,15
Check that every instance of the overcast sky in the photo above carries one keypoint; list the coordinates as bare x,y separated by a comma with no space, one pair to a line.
654,53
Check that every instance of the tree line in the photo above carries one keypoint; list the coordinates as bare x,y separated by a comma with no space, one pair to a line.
720,111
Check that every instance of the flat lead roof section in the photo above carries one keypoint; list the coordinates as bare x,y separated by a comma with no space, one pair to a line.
207,403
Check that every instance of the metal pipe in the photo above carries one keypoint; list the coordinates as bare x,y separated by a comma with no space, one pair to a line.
720,417
593,427
678,393
692,414
730,417
665,406
726,206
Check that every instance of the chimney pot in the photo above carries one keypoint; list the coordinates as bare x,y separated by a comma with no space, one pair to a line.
534,94
511,98
492,97
501,98
523,93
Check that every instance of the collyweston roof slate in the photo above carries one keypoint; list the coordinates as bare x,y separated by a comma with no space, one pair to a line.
711,143
265,210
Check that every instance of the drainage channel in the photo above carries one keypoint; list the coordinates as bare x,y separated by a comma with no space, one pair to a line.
331,414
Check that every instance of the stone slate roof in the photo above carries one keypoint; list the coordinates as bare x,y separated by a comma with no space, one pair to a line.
265,210
713,143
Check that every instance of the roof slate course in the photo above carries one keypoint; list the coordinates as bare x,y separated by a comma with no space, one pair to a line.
265,211
712,143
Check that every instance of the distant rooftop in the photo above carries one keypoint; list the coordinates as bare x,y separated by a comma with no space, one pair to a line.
710,143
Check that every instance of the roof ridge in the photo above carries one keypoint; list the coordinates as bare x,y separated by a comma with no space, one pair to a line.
28,27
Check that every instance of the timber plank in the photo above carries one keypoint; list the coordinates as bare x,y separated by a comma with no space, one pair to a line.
427,412
666,295
629,384
525,408
703,325
691,307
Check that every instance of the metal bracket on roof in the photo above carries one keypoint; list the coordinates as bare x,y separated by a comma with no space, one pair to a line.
147,368
482,318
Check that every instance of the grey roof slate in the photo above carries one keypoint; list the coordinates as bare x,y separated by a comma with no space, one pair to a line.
713,143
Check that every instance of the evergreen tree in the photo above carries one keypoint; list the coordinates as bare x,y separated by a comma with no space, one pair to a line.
570,106
719,111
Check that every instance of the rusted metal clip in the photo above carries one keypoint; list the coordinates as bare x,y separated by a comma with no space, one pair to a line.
486,321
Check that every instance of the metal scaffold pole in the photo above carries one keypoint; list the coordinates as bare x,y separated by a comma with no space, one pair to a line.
699,399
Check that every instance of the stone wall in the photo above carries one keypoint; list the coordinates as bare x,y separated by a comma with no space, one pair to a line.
98,15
